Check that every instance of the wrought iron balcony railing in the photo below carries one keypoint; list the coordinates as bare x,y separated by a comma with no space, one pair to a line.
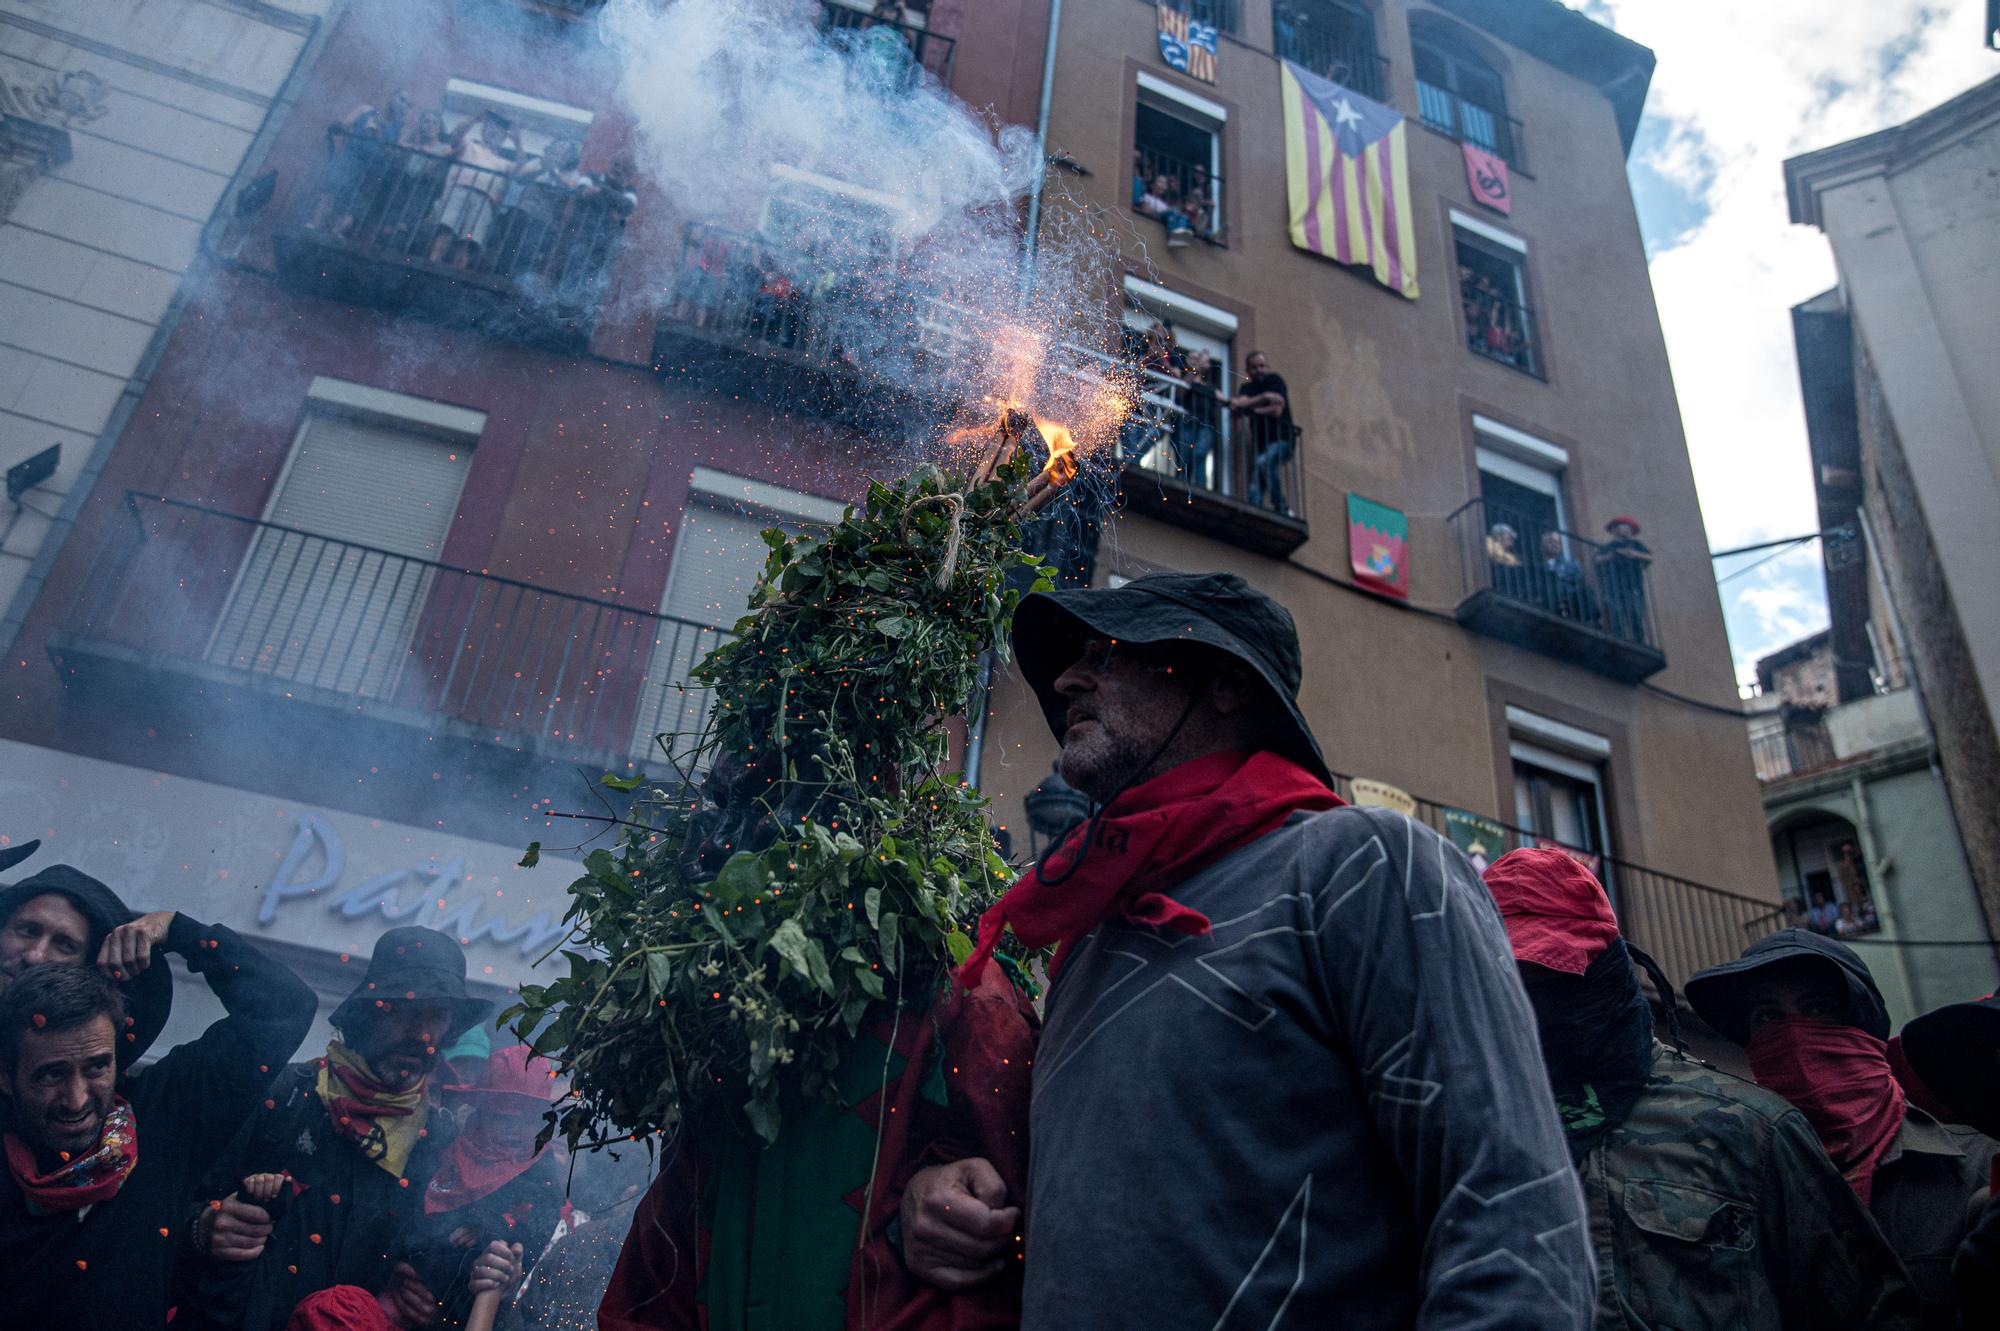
929,50
1495,131
1331,41
1532,583
198,591
1791,743
410,227
1222,15
1685,925
1176,193
1499,328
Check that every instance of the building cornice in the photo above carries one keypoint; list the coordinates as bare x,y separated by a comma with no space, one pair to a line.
1908,755
1809,175
1573,42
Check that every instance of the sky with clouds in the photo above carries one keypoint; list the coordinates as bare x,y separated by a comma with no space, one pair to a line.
1741,86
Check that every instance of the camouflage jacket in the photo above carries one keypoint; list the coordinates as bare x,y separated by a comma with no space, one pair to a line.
1713,1206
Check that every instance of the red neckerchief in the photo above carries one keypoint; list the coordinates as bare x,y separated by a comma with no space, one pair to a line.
1153,836
1839,1078
82,1180
476,1166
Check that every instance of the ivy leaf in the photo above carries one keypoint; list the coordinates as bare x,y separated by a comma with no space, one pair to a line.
959,944
871,901
632,782
870,982
789,941
892,626
764,1118
533,855
890,932
659,969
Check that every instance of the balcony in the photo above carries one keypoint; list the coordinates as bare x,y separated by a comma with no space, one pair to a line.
1189,462
1498,327
185,602
376,231
1332,41
1222,15
1183,196
1586,605
1468,122
927,50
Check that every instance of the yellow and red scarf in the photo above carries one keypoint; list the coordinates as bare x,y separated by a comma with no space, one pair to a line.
383,1122
82,1180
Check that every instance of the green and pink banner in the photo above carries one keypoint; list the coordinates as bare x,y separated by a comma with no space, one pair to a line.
1378,540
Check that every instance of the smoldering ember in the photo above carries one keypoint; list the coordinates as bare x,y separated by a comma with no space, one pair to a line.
930,665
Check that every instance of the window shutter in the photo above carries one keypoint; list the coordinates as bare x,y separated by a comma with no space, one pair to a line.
334,604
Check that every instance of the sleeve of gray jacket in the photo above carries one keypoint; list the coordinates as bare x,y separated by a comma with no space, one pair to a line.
1420,976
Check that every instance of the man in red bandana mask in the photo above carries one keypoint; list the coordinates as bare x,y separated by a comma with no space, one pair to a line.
1287,1072
1712,1204
1815,1029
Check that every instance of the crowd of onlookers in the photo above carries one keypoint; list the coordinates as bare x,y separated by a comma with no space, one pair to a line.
1178,195
1495,324
1610,596
1841,911
472,195
395,1178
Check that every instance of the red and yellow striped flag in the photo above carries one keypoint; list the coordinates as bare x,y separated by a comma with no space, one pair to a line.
1348,171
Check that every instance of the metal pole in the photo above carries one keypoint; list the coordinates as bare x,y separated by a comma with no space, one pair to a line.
1041,147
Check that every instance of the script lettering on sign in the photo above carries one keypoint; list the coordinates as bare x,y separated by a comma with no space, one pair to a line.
420,895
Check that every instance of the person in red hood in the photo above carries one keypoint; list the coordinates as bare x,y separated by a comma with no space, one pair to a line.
1712,1204
1815,1028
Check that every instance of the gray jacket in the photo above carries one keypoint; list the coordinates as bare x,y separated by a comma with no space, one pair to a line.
1331,1111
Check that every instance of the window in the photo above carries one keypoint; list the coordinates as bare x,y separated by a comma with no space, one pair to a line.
1461,95
1520,481
1180,429
1493,295
331,589
1333,40
1177,161
1559,799
718,557
1222,15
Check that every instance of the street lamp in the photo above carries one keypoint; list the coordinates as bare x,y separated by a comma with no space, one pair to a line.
1054,807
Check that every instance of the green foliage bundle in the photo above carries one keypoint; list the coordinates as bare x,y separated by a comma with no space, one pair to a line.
724,954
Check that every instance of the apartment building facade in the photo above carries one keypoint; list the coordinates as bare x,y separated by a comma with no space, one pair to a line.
404,542
1481,692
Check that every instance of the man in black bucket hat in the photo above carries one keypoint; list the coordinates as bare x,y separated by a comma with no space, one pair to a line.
1814,1027
357,1135
1287,1071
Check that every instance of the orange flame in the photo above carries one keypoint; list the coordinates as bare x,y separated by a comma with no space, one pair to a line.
1062,451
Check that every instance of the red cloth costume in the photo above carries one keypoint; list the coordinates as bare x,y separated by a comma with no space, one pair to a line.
1839,1078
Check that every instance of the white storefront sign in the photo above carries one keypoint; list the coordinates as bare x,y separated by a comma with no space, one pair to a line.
303,874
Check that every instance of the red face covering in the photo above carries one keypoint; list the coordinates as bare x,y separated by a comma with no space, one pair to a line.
1839,1078
1154,835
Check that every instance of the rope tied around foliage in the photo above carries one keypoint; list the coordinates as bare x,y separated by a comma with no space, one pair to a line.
955,505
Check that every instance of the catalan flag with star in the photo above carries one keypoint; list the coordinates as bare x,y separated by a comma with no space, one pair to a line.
1348,171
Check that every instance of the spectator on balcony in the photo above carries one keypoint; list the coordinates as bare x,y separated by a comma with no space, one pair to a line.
1266,404
1196,431
359,167
1621,577
427,153
1198,201
1683,1167
1563,580
1159,200
1815,1029
541,213
1503,558
482,164
1824,915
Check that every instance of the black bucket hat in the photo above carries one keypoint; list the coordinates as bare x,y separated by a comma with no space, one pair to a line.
1955,1050
1217,610
1720,995
149,995
415,965
13,855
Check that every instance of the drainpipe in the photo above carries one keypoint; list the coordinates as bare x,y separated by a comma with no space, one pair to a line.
1041,147
1871,856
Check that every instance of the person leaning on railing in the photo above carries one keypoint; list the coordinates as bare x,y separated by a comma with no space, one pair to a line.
356,146
1621,576
1267,402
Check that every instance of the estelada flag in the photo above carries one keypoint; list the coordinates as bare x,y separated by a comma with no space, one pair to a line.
1348,171
1187,45
1487,177
1378,540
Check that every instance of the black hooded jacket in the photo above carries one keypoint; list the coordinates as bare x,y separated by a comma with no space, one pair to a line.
149,996
112,1268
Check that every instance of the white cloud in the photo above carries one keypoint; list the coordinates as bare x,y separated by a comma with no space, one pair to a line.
1740,87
